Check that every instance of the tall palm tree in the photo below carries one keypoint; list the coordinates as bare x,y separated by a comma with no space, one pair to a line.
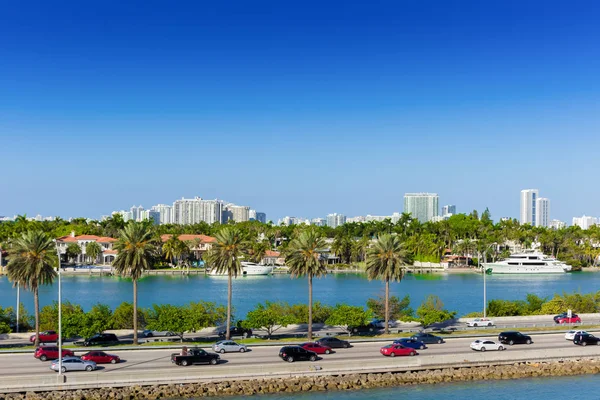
136,249
224,257
385,259
32,260
93,250
303,256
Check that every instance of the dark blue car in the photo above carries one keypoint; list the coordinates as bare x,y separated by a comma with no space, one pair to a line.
412,343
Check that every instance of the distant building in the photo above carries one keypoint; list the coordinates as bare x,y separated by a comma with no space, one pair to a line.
448,210
166,213
235,213
334,220
585,222
196,210
261,217
422,206
529,206
542,212
126,215
557,224
107,256
318,221
150,215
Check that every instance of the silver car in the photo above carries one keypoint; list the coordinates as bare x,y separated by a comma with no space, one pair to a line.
151,333
226,346
74,364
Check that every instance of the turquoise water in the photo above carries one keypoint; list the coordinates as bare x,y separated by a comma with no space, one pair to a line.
584,387
460,292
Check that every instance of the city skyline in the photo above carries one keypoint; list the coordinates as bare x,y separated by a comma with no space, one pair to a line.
299,113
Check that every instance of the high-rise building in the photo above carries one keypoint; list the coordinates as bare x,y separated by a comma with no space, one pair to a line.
529,206
585,222
318,221
557,224
261,217
166,213
150,215
334,220
542,209
448,210
252,215
236,213
193,211
136,213
422,206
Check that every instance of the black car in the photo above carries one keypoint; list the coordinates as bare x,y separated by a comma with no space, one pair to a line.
296,353
237,331
195,356
333,342
584,339
513,337
369,328
102,339
427,338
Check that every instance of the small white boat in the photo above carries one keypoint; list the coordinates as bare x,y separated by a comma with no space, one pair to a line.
249,268
528,263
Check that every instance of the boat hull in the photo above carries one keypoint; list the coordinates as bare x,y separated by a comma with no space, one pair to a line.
524,269
250,270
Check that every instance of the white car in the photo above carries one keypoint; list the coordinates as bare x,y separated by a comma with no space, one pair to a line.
571,334
484,345
481,322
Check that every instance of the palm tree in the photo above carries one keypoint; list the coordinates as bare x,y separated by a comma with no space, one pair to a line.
93,250
73,251
136,252
224,257
172,248
32,260
385,259
304,258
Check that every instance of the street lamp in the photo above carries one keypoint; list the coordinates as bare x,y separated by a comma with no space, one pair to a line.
484,274
59,314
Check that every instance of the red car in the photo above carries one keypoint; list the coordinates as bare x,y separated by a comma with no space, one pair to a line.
394,350
100,357
566,320
316,347
50,353
45,337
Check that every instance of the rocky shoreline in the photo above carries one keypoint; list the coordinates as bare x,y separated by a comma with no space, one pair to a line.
323,383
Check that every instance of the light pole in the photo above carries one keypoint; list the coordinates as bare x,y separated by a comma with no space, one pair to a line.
59,315
18,305
484,274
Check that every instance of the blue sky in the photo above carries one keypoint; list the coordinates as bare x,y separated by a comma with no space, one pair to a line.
299,108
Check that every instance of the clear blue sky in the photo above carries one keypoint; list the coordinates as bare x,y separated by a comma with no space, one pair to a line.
299,108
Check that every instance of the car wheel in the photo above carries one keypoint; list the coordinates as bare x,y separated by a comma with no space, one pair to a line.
346,345
584,343
245,335
113,361
483,349
528,341
290,359
501,348
475,325
169,334
242,350
184,363
222,351
489,324
412,353
213,361
440,341
422,347
511,342
313,358
392,354
89,368
328,351
63,369
43,358
598,342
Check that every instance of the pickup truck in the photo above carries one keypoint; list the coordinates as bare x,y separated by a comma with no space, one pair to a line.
195,356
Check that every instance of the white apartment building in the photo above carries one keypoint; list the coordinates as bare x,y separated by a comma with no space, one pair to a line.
235,213
196,210
585,222
150,215
422,206
166,213
318,221
528,213
542,212
334,220
557,224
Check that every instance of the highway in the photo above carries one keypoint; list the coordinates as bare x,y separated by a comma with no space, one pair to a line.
156,363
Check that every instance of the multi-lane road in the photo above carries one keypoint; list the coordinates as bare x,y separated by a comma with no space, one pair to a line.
154,365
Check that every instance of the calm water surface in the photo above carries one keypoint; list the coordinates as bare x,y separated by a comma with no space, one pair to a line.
580,387
460,292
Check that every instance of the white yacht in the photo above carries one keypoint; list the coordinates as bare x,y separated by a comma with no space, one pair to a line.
250,268
527,263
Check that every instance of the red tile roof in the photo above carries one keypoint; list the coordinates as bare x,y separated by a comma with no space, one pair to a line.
191,238
271,253
71,239
106,239
109,252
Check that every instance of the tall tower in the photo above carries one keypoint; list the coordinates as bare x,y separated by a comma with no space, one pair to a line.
542,209
529,206
422,206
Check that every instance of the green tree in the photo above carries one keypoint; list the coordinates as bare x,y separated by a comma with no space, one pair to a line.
384,261
320,312
93,251
432,311
224,257
303,257
136,252
345,317
269,316
398,309
73,251
167,317
73,318
122,317
203,314
32,260
97,320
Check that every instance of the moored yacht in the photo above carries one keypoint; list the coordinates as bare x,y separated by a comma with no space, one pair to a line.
527,263
250,268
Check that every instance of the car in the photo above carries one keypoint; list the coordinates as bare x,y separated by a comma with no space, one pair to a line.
561,315
393,350
316,347
481,322
100,357
44,353
571,334
101,339
512,337
368,328
427,338
380,323
73,364
226,346
236,331
150,333
412,343
333,342
46,337
195,356
484,345
296,353
574,319
584,339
